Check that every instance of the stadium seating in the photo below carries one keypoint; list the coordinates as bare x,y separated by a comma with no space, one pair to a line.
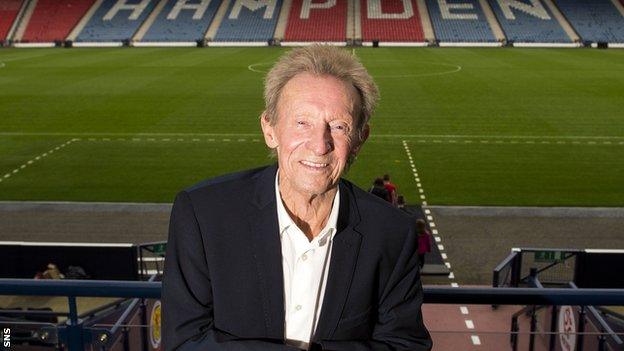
54,19
594,20
391,20
246,22
182,20
317,21
528,21
116,20
459,21
8,12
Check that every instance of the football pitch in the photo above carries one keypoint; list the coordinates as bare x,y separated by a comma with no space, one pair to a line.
517,127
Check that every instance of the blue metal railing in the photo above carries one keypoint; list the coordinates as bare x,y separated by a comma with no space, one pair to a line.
74,335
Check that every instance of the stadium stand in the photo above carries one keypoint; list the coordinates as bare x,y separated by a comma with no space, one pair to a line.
116,20
528,21
459,21
317,21
53,19
182,20
594,20
8,13
391,20
249,21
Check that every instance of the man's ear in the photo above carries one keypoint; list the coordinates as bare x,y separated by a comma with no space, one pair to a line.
363,136
268,131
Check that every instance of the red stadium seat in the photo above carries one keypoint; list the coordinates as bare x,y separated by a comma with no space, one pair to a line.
392,22
54,19
321,24
8,12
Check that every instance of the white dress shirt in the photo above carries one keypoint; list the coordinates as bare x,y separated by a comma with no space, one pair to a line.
305,264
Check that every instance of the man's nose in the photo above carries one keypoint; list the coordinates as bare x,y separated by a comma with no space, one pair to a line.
320,141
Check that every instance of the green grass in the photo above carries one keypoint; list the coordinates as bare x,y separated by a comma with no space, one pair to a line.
538,127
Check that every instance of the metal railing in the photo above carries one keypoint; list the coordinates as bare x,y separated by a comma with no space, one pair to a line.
75,335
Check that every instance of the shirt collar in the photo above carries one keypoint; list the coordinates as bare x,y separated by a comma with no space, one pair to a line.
285,221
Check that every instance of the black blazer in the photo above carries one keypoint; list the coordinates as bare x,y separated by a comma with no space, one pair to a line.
223,286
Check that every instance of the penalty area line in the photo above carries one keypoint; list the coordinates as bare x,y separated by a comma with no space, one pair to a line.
37,158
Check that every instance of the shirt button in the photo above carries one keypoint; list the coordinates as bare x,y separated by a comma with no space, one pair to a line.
298,307
304,257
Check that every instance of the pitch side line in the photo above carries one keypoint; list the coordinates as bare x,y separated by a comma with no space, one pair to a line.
438,241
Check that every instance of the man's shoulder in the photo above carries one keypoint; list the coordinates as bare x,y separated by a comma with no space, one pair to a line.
228,184
377,211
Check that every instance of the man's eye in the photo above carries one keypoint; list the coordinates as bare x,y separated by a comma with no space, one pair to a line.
340,127
301,123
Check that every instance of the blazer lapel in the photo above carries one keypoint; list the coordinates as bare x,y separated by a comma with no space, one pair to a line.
346,246
268,252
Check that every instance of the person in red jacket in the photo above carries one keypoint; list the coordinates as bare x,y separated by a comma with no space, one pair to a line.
392,189
424,241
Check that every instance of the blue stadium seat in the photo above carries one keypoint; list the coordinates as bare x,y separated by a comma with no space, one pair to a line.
242,23
110,25
594,20
176,23
459,21
527,23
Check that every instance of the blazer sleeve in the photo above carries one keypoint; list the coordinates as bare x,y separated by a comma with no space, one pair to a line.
187,299
399,323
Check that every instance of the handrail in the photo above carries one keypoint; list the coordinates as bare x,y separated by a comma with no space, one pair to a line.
432,294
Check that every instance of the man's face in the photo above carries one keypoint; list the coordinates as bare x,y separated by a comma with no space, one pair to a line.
314,132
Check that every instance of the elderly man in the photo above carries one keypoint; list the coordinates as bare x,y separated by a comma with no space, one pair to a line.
291,256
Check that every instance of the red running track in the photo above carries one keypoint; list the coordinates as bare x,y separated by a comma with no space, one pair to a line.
380,24
322,24
8,12
54,19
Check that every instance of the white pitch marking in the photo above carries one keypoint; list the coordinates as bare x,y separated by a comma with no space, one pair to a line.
211,139
433,136
441,247
430,218
427,211
437,239
420,190
226,139
422,197
166,139
444,256
448,265
451,275
434,231
432,224
463,309
454,285
469,324
180,139
475,339
30,162
242,139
